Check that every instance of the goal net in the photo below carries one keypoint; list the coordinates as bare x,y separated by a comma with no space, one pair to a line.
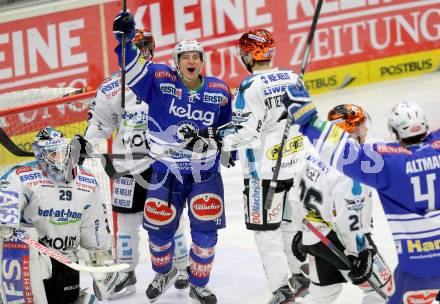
24,113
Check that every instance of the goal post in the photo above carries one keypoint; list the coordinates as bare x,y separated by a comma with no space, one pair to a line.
63,109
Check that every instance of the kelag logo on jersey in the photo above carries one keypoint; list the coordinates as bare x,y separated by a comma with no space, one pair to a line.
60,217
135,120
206,117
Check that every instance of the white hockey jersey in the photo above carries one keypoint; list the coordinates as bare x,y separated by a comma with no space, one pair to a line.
66,215
131,128
256,113
329,200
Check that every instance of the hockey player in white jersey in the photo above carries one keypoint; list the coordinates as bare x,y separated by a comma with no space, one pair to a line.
129,191
66,214
259,128
341,208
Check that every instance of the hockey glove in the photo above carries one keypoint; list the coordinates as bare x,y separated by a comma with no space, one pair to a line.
202,140
124,24
298,249
227,159
362,266
299,105
79,148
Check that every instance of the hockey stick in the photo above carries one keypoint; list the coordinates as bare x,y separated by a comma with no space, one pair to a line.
65,260
340,254
273,182
123,45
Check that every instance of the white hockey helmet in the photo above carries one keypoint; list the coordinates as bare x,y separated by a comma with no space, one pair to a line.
186,45
407,119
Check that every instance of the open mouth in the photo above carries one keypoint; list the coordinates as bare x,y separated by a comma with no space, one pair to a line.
191,70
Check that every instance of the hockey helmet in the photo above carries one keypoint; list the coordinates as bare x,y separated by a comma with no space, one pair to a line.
51,149
407,119
144,39
348,117
187,45
259,43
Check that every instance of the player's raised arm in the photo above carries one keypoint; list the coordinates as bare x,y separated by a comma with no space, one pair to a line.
138,67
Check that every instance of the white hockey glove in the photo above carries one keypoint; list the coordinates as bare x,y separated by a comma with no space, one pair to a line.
103,283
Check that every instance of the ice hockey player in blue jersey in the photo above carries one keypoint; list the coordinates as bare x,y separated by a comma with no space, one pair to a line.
407,177
179,99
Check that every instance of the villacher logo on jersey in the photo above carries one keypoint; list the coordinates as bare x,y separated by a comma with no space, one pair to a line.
159,212
60,217
206,207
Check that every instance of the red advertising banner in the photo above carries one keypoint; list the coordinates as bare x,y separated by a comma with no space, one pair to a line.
65,48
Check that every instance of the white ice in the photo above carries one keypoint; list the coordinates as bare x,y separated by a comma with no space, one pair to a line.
237,276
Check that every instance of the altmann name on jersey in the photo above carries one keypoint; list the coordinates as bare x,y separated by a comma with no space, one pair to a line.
206,117
170,89
423,164
60,217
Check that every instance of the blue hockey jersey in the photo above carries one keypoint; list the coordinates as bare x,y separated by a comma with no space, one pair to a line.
171,107
407,180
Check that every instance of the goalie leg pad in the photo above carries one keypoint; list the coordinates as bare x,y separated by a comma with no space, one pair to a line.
23,271
63,285
103,283
128,239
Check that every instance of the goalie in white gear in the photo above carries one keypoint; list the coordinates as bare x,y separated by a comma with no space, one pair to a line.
341,208
130,190
67,213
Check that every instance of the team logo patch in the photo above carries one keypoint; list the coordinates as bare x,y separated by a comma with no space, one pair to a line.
435,144
206,207
420,297
293,145
158,212
23,169
384,149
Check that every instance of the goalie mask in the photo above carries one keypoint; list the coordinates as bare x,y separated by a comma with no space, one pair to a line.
51,150
351,118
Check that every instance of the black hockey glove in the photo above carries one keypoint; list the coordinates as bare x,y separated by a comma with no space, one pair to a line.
362,266
437,298
202,140
124,24
227,159
298,249
79,148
